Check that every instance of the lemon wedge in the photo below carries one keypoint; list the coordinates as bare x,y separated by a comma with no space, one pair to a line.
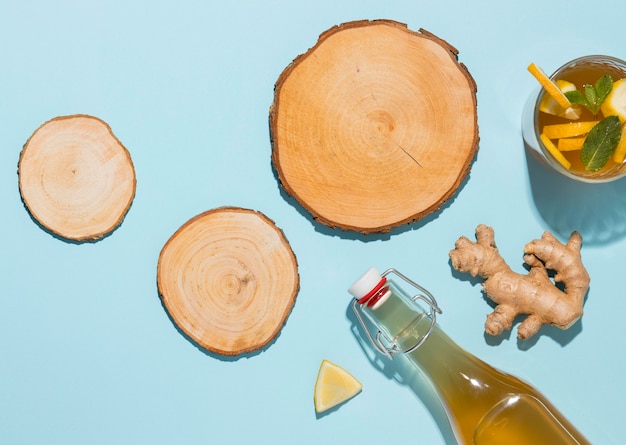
551,88
334,386
549,105
620,152
615,102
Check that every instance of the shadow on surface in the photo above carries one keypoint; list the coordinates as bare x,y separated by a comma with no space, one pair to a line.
215,355
332,410
64,239
95,239
596,211
353,235
403,372
562,337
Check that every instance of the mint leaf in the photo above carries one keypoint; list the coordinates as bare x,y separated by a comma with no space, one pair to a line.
592,98
601,143
603,87
594,94
576,97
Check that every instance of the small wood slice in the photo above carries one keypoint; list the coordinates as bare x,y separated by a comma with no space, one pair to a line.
374,127
229,279
76,178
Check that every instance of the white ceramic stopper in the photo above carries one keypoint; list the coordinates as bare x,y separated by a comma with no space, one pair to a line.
365,284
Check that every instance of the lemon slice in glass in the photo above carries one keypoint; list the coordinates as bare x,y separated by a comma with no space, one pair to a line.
615,102
334,386
615,105
550,86
549,105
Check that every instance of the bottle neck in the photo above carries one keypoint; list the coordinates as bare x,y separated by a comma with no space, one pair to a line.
404,323
442,364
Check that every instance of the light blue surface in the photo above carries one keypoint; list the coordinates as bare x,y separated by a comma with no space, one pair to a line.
87,352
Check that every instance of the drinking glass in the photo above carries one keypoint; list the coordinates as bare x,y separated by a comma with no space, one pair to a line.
579,71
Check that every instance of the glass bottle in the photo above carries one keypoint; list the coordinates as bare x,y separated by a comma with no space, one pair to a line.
484,406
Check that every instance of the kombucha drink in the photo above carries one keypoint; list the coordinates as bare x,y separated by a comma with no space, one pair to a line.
560,135
484,405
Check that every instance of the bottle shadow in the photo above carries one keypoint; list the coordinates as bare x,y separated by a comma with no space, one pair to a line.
400,370
596,211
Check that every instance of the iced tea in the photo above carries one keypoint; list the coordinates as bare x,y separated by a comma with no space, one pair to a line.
566,135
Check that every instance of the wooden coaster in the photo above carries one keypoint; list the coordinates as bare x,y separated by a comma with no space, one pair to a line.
374,127
229,279
76,178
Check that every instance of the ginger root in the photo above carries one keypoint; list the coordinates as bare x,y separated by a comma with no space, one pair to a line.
534,294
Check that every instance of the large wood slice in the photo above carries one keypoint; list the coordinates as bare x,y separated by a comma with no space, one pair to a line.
228,279
76,178
374,127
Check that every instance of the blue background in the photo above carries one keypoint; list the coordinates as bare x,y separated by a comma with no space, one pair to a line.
88,355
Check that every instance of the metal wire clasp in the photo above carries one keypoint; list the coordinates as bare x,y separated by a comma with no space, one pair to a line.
376,339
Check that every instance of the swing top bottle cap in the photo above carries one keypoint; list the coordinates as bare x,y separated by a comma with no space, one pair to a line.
371,289
364,285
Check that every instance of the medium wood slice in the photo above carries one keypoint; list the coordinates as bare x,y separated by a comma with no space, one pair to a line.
229,279
76,178
375,126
